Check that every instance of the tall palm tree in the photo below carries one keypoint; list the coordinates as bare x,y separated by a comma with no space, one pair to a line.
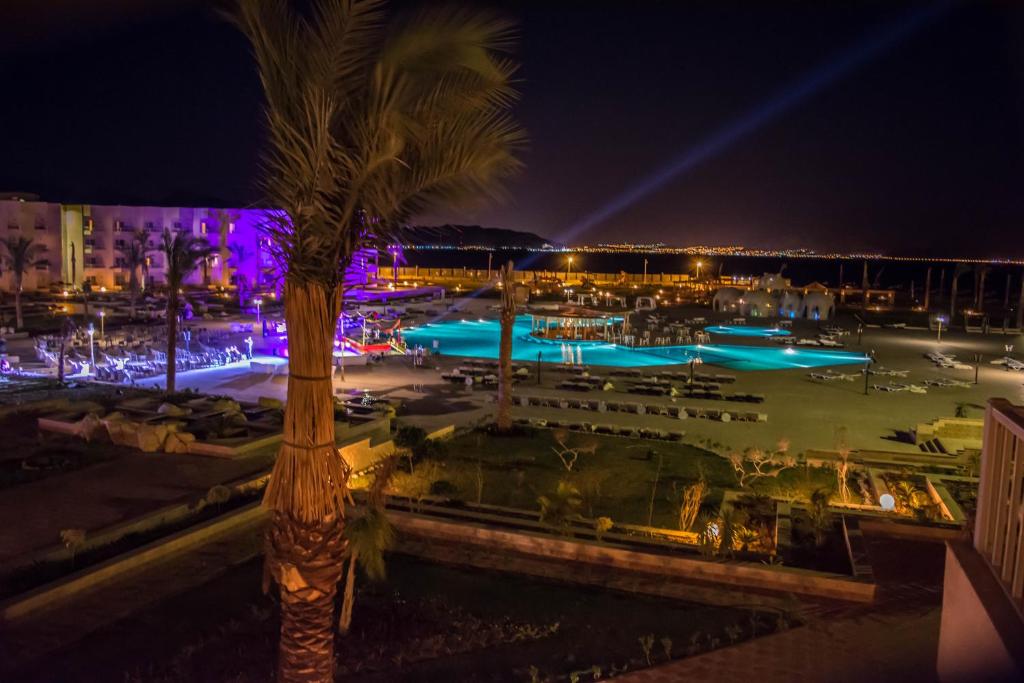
508,319
136,256
367,126
958,270
183,253
239,255
224,220
22,254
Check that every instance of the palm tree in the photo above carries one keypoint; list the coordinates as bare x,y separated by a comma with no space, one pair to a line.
239,255
224,220
368,536
508,319
136,258
366,127
959,270
183,253
22,254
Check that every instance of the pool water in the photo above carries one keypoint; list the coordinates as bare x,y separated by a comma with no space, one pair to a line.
747,331
479,339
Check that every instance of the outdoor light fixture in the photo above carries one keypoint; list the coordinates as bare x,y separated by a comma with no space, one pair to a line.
103,314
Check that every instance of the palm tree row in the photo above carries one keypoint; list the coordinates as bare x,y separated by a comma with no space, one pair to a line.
368,124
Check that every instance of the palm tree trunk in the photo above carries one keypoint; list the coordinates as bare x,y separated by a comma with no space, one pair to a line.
349,597
306,547
18,319
508,319
1020,304
979,304
927,288
952,298
172,334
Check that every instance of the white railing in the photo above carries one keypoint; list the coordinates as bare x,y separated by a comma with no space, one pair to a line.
999,527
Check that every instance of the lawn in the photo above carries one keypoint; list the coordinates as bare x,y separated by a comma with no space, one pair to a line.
631,481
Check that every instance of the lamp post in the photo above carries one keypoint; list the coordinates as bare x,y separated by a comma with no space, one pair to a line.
645,271
867,364
568,269
92,350
258,302
700,264
938,335
103,314
977,365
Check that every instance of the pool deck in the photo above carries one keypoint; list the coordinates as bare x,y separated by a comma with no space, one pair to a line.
807,413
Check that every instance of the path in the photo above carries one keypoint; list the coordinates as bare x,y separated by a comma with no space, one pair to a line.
894,639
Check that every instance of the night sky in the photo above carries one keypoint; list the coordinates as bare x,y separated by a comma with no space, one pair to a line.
917,149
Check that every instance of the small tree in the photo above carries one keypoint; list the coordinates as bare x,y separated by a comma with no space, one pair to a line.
22,254
568,455
693,496
559,508
819,516
754,464
184,253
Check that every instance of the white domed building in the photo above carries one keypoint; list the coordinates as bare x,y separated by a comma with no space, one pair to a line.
790,305
773,296
818,306
758,304
727,300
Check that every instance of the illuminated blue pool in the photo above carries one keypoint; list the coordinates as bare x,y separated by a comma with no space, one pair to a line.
479,339
747,331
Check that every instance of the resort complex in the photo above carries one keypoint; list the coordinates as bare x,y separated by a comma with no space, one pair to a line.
412,342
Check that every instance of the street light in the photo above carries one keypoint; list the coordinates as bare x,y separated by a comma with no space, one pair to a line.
700,264
568,269
92,350
938,337
258,302
103,314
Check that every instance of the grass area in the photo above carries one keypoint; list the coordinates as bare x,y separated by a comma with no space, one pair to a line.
629,480
425,622
41,573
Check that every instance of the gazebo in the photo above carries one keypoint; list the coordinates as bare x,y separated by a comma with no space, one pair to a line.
576,325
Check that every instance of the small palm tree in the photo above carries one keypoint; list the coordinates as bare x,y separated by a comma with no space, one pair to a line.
368,536
136,258
184,253
508,319
22,254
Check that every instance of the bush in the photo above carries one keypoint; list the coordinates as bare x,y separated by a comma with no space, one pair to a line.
443,487
408,436
430,448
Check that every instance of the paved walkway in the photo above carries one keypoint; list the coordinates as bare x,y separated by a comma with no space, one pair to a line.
895,639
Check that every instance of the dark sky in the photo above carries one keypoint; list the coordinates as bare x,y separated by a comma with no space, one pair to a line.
919,149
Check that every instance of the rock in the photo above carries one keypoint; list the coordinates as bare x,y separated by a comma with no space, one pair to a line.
226,405
89,427
268,402
172,410
178,442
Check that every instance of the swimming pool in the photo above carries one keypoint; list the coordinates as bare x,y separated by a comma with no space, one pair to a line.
747,331
479,339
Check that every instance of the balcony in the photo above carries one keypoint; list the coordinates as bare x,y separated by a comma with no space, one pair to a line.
982,631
